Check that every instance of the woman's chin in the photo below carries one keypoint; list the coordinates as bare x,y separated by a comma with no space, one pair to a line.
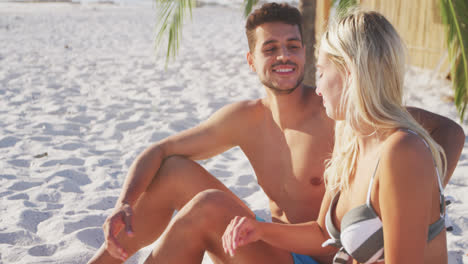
329,113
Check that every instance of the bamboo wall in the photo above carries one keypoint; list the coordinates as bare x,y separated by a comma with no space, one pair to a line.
321,17
419,24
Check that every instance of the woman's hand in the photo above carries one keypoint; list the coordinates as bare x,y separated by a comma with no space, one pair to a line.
240,232
120,218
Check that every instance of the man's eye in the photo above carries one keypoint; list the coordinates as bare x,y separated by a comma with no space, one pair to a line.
293,47
270,49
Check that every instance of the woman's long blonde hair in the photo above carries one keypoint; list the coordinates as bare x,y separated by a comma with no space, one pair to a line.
365,46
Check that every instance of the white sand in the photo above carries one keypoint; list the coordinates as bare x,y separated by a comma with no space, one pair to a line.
81,87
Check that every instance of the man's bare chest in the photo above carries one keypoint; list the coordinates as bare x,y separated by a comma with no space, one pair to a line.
290,158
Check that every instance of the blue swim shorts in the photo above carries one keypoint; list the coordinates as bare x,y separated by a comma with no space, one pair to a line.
298,258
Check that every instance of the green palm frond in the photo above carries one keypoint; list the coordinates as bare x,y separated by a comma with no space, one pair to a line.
171,14
248,5
455,18
344,5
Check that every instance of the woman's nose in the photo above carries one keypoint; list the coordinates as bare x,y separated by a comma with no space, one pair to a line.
319,93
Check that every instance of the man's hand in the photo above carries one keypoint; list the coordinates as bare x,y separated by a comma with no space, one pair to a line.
120,218
240,232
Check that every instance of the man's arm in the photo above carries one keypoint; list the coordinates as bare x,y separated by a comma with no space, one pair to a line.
221,131
215,135
448,134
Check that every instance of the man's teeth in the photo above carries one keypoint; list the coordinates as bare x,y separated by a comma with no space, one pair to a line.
284,70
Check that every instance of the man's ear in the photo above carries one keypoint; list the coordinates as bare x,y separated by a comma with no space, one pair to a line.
250,61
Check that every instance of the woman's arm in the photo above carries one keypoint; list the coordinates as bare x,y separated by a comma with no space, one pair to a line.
305,238
408,182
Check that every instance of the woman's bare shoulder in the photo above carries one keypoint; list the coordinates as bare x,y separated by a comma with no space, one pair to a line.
406,153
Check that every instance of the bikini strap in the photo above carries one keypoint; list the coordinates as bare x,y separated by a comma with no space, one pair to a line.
368,202
439,181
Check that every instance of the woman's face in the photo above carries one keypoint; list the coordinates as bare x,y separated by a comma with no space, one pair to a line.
330,86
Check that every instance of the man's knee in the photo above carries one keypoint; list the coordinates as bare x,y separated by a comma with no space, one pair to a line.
175,164
211,201
211,207
175,171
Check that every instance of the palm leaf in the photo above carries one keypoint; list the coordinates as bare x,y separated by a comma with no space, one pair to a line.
455,18
171,14
344,6
248,5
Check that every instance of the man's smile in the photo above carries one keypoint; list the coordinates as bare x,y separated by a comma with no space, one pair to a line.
284,68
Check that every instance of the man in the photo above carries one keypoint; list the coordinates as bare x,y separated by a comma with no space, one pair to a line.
286,136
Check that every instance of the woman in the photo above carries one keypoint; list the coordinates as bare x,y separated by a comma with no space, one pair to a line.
384,191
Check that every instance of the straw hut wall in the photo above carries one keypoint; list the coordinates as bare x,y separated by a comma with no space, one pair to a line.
417,21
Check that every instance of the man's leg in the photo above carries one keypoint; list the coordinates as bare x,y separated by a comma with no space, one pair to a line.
199,226
177,182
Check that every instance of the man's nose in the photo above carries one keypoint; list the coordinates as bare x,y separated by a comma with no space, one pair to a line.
284,54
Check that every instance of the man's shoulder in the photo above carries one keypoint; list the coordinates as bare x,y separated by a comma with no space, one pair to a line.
245,107
239,113
248,105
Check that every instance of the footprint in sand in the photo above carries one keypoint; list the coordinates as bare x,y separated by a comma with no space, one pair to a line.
71,146
9,141
74,175
244,191
20,163
3,194
455,257
41,139
52,197
220,173
221,166
7,176
157,136
69,161
53,206
91,236
12,77
22,238
228,156
43,250
172,88
20,196
30,219
104,203
244,180
67,186
83,119
22,185
29,204
126,126
180,125
87,221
